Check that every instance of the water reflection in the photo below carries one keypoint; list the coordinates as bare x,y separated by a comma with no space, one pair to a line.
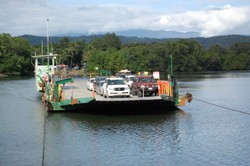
201,76
199,134
123,137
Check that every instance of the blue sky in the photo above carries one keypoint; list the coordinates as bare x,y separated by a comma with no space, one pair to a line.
208,17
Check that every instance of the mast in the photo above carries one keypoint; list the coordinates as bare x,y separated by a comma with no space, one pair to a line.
171,65
48,41
42,47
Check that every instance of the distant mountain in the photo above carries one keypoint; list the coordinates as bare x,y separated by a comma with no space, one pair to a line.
141,33
223,41
36,40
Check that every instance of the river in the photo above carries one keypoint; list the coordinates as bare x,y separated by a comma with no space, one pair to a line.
197,134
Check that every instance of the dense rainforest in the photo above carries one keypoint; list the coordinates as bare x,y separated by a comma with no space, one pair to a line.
110,54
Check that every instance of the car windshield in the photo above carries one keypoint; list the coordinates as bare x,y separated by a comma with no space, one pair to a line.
101,83
130,78
101,78
116,82
146,79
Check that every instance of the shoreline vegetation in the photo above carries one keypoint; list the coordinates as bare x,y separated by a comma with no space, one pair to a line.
75,73
3,75
80,73
109,54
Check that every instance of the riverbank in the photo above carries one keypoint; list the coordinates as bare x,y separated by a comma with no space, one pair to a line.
2,75
75,73
63,73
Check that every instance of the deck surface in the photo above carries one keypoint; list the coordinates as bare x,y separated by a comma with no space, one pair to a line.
78,89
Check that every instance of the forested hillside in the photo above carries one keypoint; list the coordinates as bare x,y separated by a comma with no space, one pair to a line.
223,41
109,53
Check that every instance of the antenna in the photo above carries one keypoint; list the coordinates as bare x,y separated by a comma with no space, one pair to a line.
171,64
47,36
41,47
48,41
51,45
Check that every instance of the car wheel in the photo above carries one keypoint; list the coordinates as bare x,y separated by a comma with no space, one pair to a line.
139,93
133,92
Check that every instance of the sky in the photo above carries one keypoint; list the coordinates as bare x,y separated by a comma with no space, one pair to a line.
207,17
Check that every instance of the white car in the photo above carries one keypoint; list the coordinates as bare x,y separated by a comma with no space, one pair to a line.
115,87
90,83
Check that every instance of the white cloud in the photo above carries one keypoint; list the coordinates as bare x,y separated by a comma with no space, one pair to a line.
209,22
224,20
29,17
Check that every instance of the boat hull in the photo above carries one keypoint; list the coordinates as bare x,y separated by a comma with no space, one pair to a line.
113,107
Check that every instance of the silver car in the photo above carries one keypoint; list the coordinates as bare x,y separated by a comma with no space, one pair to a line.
99,88
90,84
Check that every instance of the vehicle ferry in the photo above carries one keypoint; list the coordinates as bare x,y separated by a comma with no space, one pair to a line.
74,95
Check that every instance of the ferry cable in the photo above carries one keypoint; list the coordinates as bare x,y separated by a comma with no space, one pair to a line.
227,108
44,136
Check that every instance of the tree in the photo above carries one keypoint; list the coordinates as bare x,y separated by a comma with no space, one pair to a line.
14,55
213,58
107,41
186,55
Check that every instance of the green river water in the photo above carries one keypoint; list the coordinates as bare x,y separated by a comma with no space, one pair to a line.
197,134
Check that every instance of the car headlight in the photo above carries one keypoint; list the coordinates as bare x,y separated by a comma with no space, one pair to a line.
126,88
111,89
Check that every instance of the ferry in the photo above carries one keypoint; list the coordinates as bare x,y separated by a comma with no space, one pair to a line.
69,94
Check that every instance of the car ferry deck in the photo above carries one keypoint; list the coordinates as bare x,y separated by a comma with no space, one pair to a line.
76,97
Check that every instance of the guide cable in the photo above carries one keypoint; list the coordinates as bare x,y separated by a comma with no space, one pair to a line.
227,108
44,136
